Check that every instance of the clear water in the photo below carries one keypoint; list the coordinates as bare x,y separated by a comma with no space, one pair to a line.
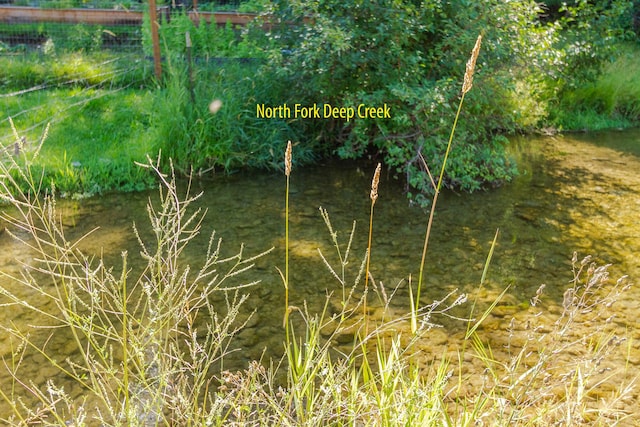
574,193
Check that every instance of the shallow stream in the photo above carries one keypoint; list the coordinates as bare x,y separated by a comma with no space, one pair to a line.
575,192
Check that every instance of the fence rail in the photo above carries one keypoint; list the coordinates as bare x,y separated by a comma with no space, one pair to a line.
17,14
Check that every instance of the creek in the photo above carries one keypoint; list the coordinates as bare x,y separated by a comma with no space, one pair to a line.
574,192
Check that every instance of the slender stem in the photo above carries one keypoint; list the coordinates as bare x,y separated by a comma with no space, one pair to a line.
366,277
374,196
466,87
287,172
434,201
125,344
286,260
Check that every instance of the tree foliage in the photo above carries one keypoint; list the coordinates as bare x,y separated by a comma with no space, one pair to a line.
410,55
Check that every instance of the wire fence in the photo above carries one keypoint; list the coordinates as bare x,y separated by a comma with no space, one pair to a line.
203,5
50,36
89,25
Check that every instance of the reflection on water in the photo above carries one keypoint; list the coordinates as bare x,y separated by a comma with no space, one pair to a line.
574,193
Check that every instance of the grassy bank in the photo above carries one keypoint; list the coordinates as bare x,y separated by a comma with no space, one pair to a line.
611,101
97,107
106,112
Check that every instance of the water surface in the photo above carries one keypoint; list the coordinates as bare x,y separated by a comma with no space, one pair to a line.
575,192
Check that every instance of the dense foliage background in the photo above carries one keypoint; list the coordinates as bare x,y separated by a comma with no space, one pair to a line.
411,55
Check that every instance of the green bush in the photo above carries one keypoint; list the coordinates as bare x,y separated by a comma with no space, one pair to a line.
396,53
590,38
410,57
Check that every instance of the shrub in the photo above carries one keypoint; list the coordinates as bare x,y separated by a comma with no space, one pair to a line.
408,56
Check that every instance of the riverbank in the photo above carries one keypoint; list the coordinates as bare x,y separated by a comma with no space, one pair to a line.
611,101
106,113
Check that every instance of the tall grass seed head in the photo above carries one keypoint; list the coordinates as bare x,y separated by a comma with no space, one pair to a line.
471,65
374,184
287,159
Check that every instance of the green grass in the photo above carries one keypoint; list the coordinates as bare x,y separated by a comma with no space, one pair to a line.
99,111
25,71
106,113
95,136
611,101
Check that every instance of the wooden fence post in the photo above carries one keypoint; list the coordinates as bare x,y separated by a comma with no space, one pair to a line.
153,17
190,67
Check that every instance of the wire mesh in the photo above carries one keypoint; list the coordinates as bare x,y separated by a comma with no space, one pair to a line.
50,36
58,65
124,4
85,25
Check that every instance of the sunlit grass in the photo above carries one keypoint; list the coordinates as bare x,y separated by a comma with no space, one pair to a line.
95,132
26,71
107,112
611,101
99,109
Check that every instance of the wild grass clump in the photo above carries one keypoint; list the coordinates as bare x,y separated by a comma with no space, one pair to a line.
565,369
543,370
140,357
233,138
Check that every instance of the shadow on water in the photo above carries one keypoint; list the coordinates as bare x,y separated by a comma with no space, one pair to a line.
574,193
